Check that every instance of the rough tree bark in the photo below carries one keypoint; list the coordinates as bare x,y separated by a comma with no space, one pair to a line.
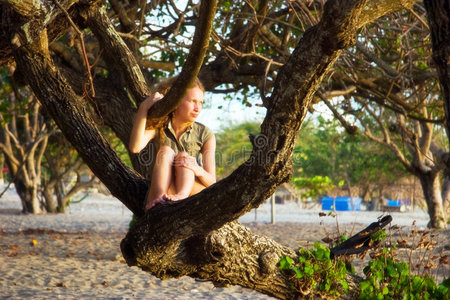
438,13
446,193
198,236
431,186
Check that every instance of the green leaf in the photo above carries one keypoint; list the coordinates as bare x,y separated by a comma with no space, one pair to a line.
392,272
446,283
298,273
308,271
344,285
285,263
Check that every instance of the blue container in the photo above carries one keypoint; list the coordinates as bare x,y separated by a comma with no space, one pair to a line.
393,203
341,203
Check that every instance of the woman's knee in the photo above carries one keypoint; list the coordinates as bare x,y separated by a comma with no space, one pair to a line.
181,155
165,153
179,159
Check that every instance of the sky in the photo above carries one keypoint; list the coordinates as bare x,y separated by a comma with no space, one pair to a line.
234,113
231,113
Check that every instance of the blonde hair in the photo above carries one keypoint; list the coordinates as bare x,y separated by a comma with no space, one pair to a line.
163,88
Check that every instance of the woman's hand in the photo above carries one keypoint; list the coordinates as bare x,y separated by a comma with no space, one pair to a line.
185,160
150,101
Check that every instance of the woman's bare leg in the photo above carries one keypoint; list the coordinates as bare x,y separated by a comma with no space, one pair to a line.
197,187
161,176
184,180
169,182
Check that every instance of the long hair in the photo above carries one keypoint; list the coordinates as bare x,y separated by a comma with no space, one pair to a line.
163,88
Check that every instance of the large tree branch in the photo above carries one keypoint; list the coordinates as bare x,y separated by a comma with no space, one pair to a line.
110,101
7,151
27,19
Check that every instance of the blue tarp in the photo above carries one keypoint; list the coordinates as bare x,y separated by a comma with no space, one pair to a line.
341,203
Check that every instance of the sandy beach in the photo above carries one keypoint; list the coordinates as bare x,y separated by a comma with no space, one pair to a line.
77,255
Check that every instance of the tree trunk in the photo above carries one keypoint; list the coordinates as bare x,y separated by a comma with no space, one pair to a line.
438,13
28,196
50,203
446,193
26,188
2,164
229,255
60,197
432,192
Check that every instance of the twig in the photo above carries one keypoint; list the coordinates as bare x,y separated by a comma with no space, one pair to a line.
80,34
142,20
242,54
263,88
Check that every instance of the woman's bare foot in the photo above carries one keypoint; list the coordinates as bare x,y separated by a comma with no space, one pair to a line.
174,197
151,204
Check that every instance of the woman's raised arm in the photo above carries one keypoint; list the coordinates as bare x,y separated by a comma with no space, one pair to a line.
140,136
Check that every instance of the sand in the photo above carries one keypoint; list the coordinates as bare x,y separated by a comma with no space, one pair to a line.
77,255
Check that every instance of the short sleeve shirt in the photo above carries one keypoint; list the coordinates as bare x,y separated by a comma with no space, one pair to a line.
190,141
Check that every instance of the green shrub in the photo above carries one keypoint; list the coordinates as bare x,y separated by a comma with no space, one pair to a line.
313,269
389,278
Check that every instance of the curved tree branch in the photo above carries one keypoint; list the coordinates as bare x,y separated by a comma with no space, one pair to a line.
193,62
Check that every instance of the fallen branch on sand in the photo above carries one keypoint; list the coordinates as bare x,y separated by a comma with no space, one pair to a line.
361,241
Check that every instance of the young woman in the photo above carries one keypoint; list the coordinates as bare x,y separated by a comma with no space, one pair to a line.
184,160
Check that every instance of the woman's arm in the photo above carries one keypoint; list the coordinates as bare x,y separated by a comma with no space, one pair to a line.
207,174
140,136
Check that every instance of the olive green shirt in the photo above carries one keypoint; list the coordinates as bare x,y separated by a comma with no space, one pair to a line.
190,141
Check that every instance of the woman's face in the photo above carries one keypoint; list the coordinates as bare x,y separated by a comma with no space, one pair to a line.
190,106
